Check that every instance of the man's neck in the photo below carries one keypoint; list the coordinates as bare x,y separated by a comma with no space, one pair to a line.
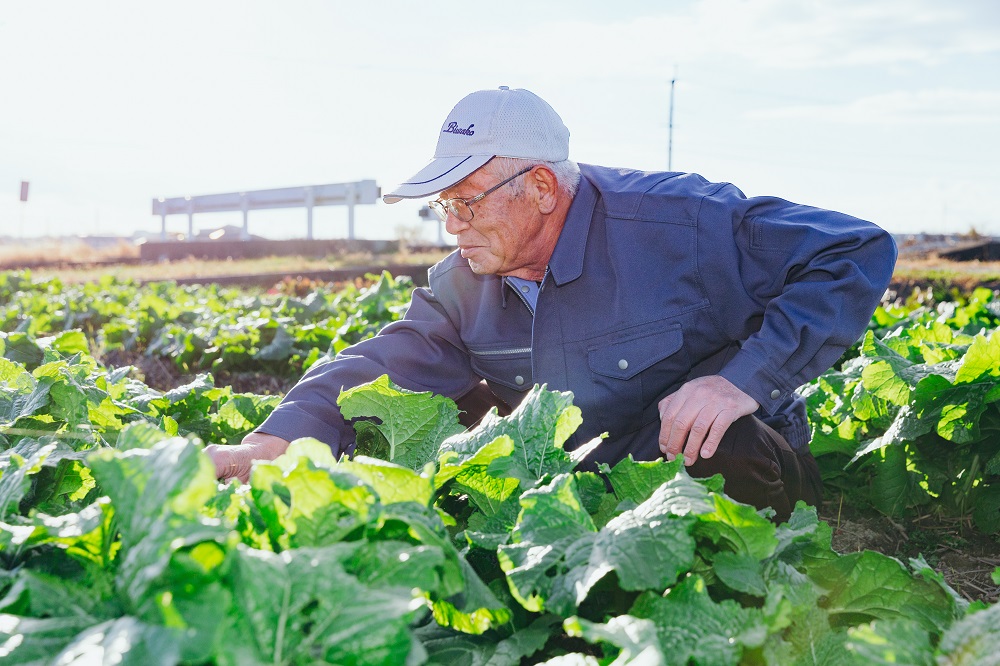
545,243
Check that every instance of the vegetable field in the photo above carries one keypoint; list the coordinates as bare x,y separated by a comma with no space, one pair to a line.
441,545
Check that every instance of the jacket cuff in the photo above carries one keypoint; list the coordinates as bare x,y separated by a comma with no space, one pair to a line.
291,424
751,376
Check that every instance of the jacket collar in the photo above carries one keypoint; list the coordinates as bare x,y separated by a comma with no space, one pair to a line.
566,263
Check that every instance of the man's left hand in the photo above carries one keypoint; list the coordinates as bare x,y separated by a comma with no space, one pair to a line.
697,415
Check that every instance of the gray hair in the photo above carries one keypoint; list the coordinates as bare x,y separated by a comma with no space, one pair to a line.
567,172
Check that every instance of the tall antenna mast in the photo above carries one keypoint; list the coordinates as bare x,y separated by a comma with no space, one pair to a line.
670,125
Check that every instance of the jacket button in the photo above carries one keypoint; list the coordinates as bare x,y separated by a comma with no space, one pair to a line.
519,380
622,364
774,394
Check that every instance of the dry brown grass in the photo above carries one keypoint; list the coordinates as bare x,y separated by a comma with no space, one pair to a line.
200,268
27,253
934,271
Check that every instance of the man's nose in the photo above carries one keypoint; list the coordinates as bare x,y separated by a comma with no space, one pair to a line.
453,225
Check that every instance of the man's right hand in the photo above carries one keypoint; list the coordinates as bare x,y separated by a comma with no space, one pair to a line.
235,461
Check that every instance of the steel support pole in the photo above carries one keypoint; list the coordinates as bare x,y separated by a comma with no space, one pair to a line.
351,196
245,232
310,201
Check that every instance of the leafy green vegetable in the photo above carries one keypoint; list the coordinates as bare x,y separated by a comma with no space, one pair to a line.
443,546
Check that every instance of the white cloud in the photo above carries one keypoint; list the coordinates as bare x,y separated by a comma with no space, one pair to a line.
801,34
784,34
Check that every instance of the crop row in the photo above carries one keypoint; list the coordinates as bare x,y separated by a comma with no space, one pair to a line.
907,421
912,422
205,328
433,545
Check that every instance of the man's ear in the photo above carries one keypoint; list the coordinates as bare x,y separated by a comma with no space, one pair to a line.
547,188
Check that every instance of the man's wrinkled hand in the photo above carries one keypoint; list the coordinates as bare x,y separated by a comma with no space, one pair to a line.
695,417
234,462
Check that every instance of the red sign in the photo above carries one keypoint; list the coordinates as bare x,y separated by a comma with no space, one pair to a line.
24,190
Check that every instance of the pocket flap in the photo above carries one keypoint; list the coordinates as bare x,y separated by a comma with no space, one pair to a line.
624,357
508,367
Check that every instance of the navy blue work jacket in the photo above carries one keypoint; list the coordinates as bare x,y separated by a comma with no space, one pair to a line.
657,278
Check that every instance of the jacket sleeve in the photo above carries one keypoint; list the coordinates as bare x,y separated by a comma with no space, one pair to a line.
807,283
420,352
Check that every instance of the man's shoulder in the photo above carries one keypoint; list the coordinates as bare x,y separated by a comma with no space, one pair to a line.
450,263
625,189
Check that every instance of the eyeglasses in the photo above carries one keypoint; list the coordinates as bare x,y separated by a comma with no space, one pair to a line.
462,208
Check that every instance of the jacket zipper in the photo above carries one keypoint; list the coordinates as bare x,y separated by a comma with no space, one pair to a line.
500,352
525,301
522,296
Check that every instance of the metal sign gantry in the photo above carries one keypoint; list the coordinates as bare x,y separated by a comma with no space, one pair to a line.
308,197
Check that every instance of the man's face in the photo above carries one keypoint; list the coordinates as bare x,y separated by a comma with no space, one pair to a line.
499,238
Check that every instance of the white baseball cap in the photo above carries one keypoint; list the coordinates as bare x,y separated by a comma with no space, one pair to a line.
484,125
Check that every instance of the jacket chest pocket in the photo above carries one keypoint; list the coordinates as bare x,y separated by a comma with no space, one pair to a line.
629,369
506,370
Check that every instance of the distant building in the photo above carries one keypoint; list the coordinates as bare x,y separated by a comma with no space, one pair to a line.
986,249
104,242
228,232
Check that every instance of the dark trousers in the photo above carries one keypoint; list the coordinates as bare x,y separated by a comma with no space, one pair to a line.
760,468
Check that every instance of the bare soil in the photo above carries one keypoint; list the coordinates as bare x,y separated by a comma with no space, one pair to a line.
965,557
162,375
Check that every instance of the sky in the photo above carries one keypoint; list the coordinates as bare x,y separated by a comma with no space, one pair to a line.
888,110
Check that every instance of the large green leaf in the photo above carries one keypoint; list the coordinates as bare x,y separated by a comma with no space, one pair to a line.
448,648
889,375
126,641
691,627
981,361
243,412
34,641
463,601
636,481
301,606
17,466
21,348
471,462
85,535
22,466
303,504
739,525
973,640
67,343
636,638
883,381
539,427
392,483
413,424
875,586
39,593
647,547
157,495
20,393
741,572
894,488
889,642
281,346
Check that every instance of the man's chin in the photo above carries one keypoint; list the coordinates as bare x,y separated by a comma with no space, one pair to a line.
480,269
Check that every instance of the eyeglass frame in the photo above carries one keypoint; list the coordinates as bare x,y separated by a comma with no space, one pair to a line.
442,208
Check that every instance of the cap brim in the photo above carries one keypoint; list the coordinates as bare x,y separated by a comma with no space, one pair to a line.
440,174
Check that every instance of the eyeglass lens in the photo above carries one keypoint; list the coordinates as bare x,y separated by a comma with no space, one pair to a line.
456,207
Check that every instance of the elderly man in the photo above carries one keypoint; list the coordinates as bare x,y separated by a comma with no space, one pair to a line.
680,313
